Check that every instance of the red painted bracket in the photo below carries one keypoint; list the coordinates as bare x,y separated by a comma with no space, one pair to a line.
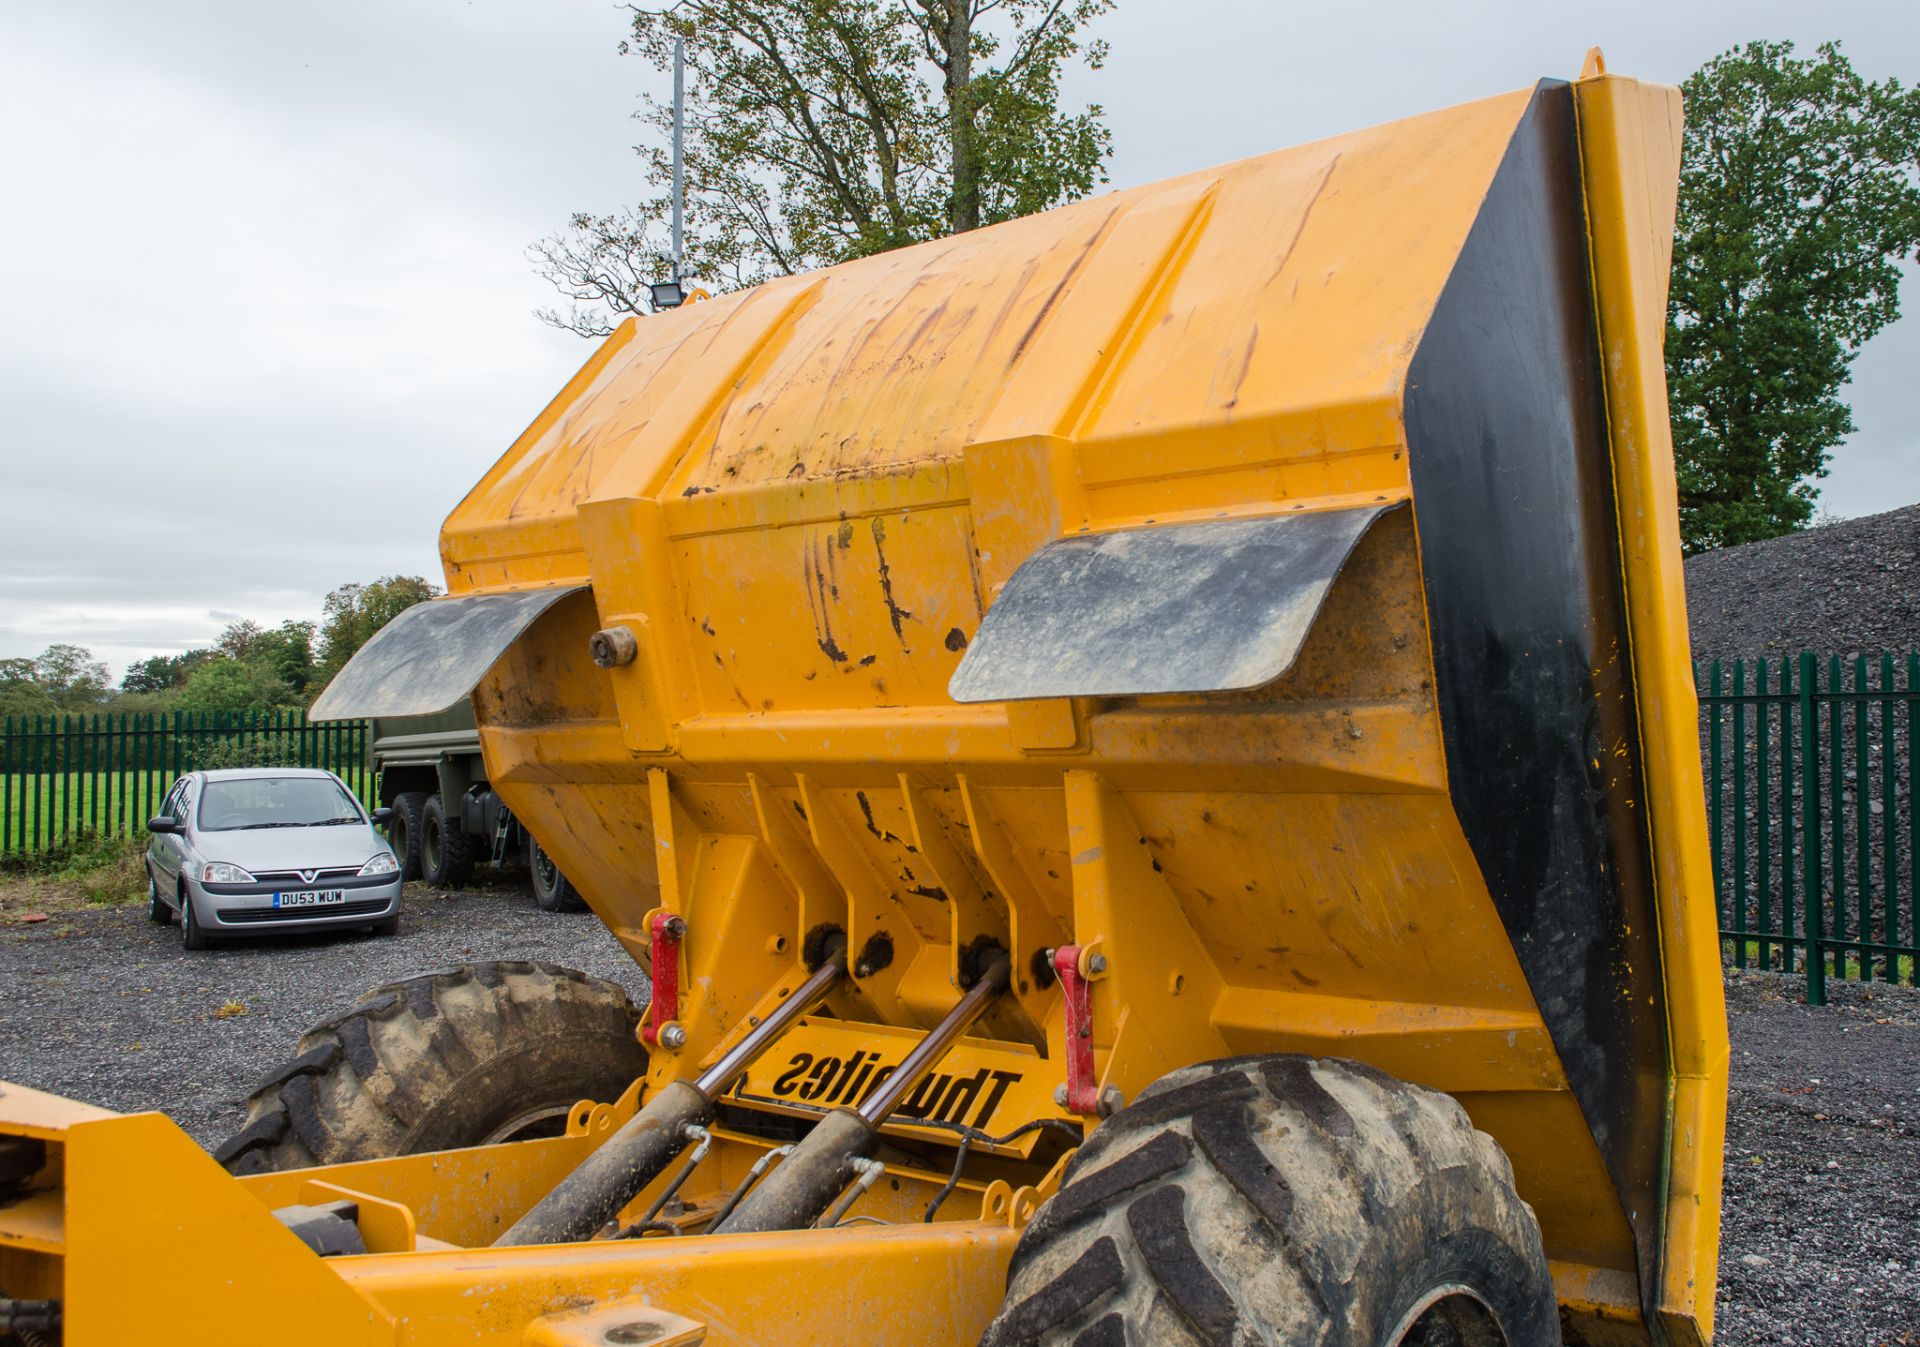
667,932
1082,1095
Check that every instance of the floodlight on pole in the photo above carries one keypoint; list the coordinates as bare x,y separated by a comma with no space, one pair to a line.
679,125
671,294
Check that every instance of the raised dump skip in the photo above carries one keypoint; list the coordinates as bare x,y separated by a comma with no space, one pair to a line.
1235,616
921,553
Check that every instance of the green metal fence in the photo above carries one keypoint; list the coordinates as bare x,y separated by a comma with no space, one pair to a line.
1811,782
67,777
1810,768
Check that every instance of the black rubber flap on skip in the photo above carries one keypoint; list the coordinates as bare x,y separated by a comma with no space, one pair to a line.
429,658
1210,607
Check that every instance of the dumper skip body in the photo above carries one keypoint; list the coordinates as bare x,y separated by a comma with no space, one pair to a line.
1232,620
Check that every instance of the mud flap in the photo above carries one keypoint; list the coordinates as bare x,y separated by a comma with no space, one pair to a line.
430,657
1212,607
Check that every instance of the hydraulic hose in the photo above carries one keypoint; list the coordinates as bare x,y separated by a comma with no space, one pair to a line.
805,1184
647,1143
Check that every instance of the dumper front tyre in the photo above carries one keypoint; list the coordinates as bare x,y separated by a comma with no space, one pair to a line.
446,852
1282,1200
465,1056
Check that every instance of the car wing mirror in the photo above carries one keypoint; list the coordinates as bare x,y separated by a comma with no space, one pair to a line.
164,823
381,817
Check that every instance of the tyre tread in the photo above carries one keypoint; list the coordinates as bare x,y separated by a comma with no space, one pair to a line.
367,1077
1271,1200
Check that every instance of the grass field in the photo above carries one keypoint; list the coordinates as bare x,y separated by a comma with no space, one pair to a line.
43,812
104,775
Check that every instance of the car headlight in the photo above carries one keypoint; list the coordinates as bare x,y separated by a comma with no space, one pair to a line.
219,872
383,864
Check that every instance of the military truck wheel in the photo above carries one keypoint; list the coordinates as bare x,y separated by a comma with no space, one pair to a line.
553,891
465,1056
446,852
404,831
1284,1200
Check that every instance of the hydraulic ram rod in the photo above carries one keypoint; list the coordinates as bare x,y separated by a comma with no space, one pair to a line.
807,1181
647,1143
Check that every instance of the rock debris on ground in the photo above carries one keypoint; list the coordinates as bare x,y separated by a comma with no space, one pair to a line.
1821,1246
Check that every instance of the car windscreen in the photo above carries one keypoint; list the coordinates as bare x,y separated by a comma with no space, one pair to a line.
276,802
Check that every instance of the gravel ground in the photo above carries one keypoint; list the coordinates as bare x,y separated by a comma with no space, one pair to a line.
1846,588
1822,1240
1821,1243
106,1007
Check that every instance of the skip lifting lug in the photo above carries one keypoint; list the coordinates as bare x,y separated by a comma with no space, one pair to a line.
1079,1094
662,1029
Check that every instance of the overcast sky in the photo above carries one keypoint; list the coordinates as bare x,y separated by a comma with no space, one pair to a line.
264,309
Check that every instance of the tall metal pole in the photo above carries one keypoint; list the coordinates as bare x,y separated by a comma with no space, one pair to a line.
679,124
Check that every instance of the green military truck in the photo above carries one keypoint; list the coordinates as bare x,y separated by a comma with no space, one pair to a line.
446,817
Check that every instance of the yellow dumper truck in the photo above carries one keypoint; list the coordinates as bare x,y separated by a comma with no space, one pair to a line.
1149,752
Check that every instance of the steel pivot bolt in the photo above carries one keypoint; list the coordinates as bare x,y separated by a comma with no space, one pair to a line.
1111,1101
1060,1096
673,1037
613,647
1096,964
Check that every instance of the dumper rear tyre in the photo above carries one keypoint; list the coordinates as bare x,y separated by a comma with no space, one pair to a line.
446,852
553,891
1282,1200
465,1056
403,832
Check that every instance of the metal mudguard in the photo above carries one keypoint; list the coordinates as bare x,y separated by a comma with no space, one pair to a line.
1213,607
429,658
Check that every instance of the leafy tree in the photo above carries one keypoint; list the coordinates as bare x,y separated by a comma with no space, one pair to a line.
21,692
162,673
1798,201
72,676
353,613
60,679
823,130
286,651
227,686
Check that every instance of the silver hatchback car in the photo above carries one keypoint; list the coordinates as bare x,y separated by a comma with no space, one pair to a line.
269,849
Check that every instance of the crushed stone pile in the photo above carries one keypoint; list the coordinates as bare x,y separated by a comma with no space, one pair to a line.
1850,588
1847,588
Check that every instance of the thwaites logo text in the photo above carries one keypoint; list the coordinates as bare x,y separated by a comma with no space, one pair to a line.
827,1081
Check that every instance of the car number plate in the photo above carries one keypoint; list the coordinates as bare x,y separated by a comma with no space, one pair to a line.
310,898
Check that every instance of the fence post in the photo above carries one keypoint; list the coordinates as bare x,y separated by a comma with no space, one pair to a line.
1763,816
1810,830
1863,824
63,763
1913,812
1715,792
1835,917
1739,813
